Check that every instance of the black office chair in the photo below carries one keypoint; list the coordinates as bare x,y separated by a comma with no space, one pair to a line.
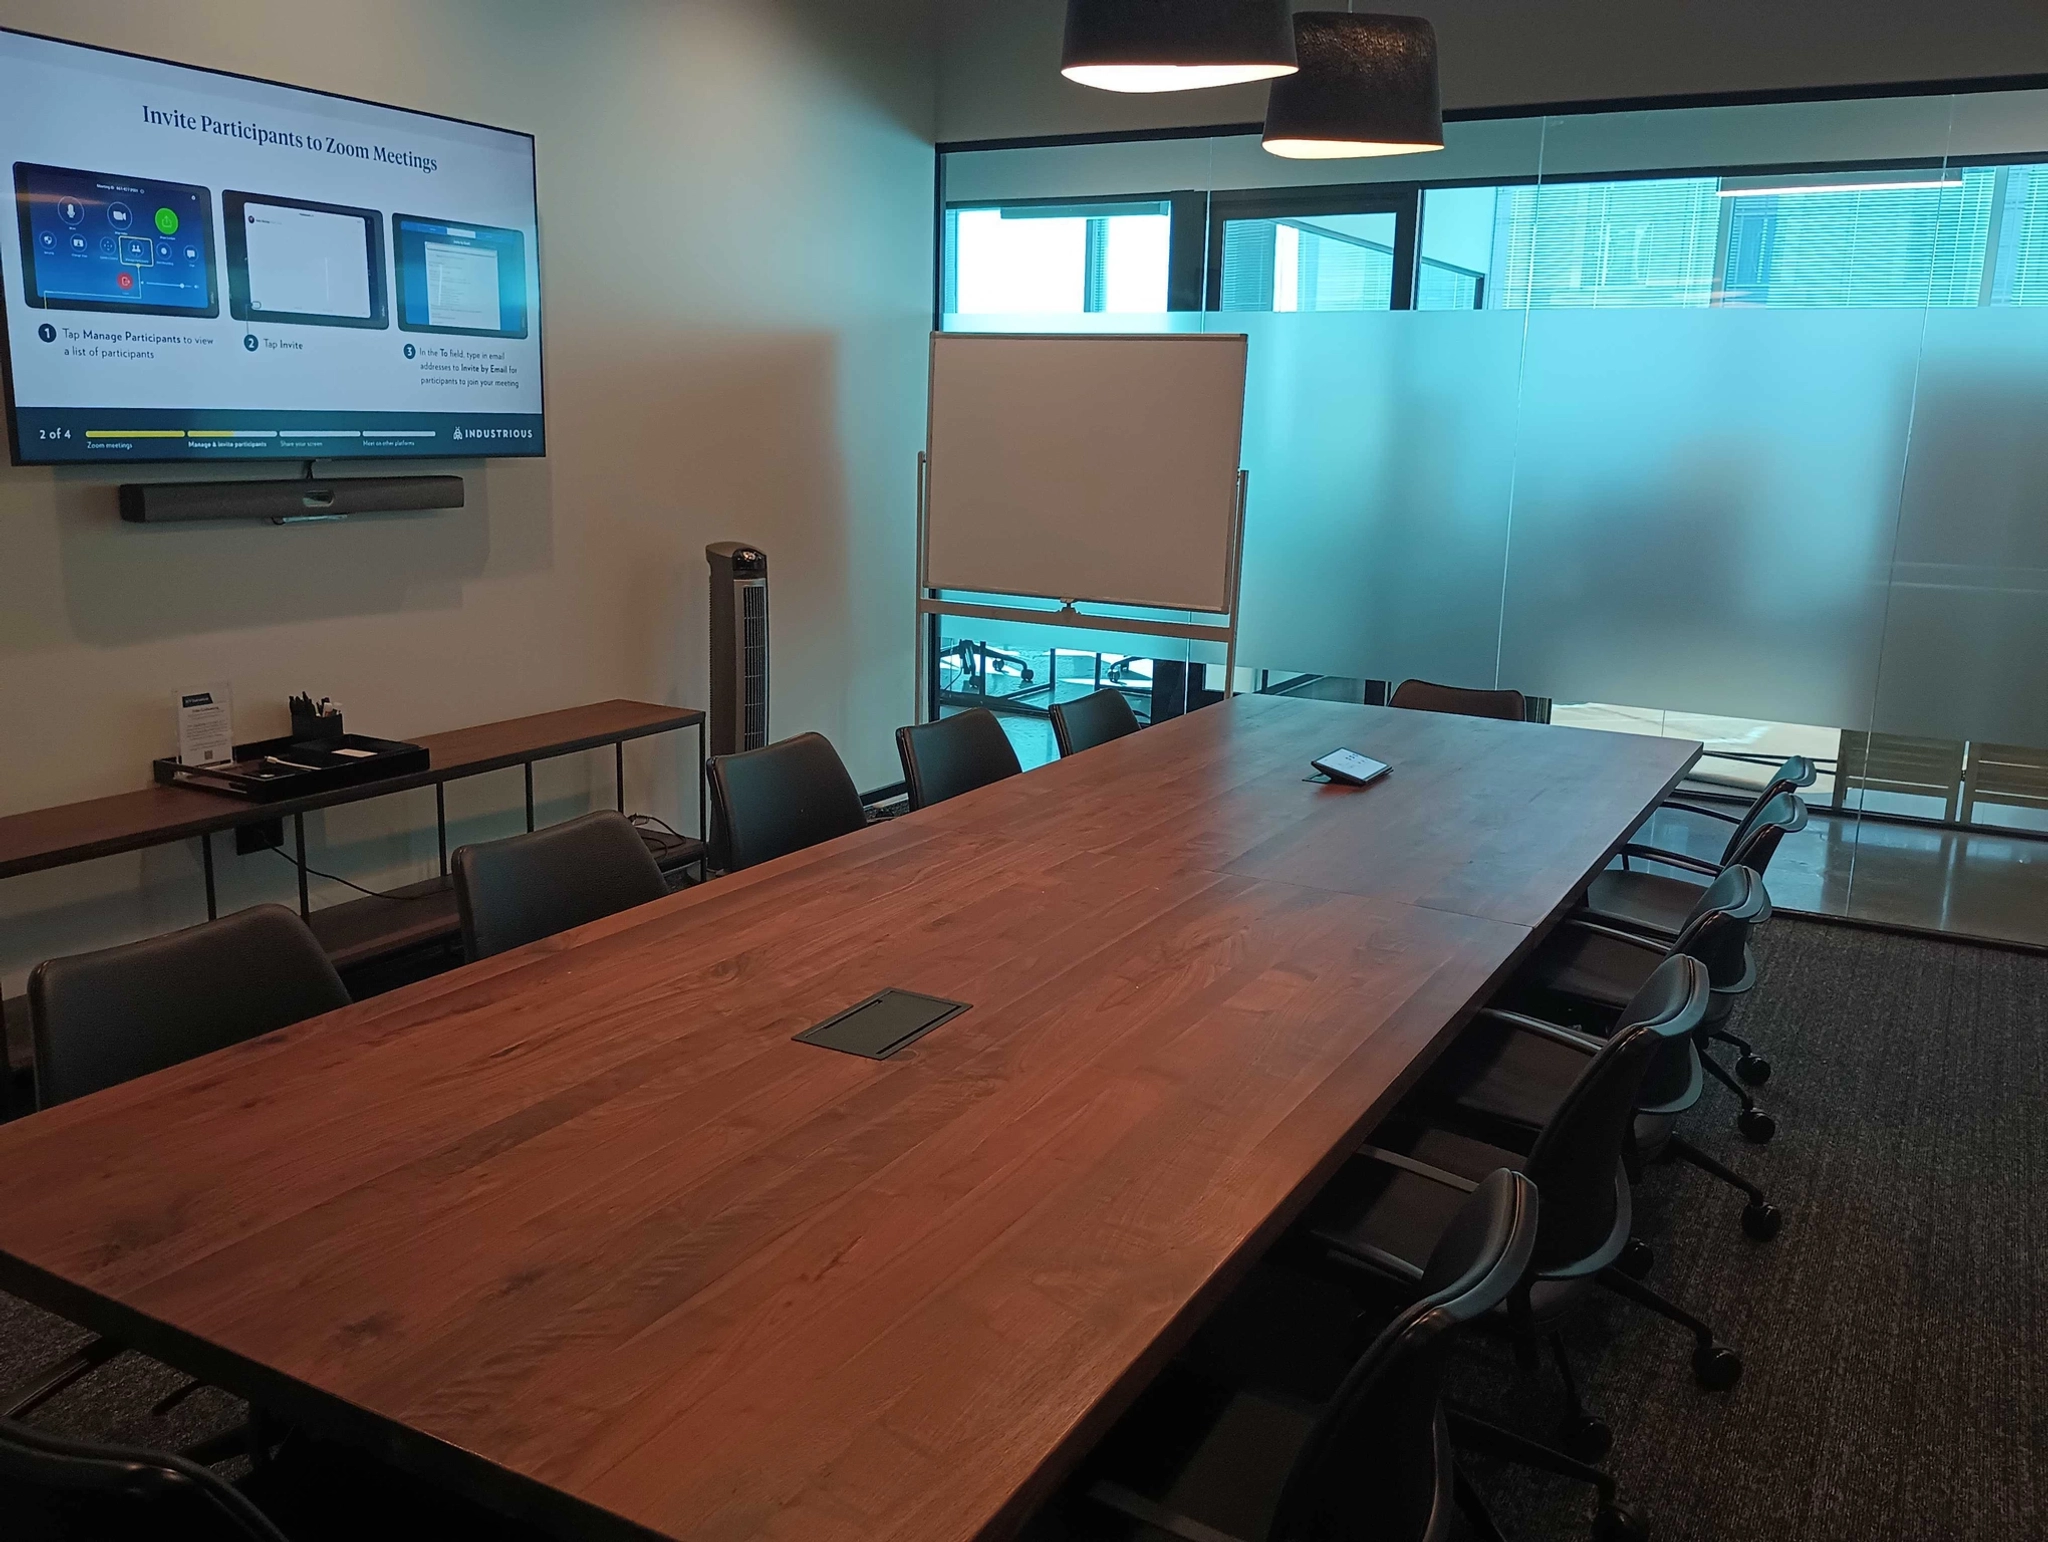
58,1489
1504,1076
321,1491
106,1017
1391,1203
515,891
1220,1464
781,798
1586,971
1657,904
1796,775
64,1489
1423,696
1094,719
956,754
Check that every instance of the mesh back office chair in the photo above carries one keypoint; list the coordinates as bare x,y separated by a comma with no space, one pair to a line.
1504,1077
1423,696
1796,775
781,798
1658,905
1375,1459
953,755
1655,903
64,1490
105,1017
1586,971
1094,719
1390,1203
515,891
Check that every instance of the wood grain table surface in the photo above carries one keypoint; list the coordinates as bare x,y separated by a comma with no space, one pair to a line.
580,1230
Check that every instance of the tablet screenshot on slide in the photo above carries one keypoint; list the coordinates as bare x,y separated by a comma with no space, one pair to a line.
304,264
464,279
101,241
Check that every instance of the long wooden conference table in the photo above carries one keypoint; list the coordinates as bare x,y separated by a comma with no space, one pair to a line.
583,1232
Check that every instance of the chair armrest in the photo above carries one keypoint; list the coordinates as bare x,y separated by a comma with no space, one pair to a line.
1672,859
1615,935
1711,813
1408,1164
1571,1038
1664,935
1129,1502
1364,1255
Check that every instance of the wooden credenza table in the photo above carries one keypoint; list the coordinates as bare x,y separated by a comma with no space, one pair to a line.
580,1230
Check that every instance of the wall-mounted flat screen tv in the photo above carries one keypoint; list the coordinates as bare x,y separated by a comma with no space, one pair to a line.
203,267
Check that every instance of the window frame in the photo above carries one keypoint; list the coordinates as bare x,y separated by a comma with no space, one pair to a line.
1403,200
1197,217
948,257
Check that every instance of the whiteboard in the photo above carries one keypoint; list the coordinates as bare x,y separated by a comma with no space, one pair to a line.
1096,467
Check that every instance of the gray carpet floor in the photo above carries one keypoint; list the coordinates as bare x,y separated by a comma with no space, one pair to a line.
1895,1335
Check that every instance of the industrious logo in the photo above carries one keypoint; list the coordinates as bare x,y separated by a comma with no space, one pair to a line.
493,433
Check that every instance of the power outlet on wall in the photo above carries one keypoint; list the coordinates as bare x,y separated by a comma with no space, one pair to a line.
268,835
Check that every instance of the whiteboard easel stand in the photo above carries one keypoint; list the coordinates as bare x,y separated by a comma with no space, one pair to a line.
1067,615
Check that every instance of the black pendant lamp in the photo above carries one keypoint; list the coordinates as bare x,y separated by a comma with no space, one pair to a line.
1176,45
1367,86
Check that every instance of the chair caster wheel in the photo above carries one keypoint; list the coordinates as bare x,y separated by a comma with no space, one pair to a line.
1584,1438
1757,1127
1716,1367
1636,1259
1761,1221
1753,1069
1614,1524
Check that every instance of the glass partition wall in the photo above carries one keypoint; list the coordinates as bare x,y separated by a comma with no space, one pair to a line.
1722,422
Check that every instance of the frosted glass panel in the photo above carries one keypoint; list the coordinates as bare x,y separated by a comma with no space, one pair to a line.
1705,507
1966,638
1381,450
1720,421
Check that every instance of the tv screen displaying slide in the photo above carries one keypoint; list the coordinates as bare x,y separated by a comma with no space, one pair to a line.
205,268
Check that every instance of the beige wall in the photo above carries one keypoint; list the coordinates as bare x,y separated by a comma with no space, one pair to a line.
736,246
999,63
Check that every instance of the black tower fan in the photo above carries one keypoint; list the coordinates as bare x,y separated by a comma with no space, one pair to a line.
739,646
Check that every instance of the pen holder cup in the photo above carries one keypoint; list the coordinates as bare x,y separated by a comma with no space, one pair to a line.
314,728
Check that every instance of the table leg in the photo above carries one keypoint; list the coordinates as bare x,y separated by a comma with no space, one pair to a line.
529,797
206,861
299,835
619,771
703,786
441,823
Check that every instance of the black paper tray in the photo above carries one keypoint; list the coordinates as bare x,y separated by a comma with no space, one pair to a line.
311,767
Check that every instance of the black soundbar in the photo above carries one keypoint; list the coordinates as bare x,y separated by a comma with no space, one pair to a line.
153,503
